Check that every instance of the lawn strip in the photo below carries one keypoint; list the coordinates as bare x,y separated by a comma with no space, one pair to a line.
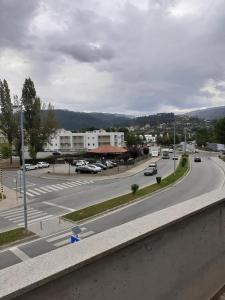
14,235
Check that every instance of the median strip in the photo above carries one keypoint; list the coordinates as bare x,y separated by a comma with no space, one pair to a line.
93,210
14,235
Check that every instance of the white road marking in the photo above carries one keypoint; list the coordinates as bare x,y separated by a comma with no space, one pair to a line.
52,188
29,194
58,237
12,213
60,206
19,253
68,184
46,189
38,219
58,187
34,192
62,243
40,191
29,216
63,185
85,234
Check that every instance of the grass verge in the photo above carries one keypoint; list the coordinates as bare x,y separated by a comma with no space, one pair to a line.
118,201
14,235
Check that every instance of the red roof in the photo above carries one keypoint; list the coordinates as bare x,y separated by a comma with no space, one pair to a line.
108,149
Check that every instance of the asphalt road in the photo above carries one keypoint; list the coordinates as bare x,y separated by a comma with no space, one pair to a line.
204,177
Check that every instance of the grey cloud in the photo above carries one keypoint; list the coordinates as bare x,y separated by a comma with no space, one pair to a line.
84,52
14,21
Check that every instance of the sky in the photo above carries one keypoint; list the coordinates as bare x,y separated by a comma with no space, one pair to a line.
132,57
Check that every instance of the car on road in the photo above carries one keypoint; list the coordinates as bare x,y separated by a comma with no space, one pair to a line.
55,153
150,171
197,159
175,158
42,164
86,169
29,167
153,164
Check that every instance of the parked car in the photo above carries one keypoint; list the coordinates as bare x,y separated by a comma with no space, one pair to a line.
153,164
42,164
94,167
113,163
102,166
197,159
170,150
81,163
55,153
86,169
108,164
29,167
150,171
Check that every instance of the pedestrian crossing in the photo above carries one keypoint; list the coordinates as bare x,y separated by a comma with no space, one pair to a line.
34,192
63,239
17,215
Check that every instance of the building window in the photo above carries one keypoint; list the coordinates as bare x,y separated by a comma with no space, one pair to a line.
88,144
93,144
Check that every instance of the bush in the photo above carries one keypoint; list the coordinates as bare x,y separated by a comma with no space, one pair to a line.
134,188
158,179
184,161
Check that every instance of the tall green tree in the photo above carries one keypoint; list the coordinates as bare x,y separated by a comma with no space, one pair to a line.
38,125
7,119
220,130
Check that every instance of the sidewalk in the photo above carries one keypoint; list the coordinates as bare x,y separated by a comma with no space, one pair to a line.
139,168
11,199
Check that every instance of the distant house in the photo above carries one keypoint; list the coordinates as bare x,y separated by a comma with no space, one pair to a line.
215,147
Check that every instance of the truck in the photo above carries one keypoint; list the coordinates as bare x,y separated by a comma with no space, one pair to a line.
165,153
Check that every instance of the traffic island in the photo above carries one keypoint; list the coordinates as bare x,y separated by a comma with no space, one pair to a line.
114,203
15,235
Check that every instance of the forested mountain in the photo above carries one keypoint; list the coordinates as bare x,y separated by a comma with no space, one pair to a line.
212,113
71,120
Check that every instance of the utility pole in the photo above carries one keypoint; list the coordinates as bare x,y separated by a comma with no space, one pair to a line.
174,143
185,141
24,171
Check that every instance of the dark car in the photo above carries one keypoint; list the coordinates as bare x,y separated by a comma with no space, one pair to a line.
175,157
197,159
102,166
85,169
150,171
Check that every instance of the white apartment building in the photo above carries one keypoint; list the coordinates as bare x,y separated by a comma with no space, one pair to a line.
150,138
67,141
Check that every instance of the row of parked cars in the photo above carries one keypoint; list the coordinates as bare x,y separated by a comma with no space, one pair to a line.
39,165
83,166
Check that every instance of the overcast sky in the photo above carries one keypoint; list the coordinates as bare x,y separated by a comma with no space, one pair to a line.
120,56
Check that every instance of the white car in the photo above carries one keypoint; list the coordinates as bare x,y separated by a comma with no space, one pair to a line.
29,167
81,163
42,164
94,167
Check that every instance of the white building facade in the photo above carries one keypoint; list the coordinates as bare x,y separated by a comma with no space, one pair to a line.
68,141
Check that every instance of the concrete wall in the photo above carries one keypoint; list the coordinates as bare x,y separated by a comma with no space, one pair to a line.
174,254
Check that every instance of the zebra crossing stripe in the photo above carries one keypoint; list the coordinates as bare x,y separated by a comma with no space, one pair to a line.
46,189
52,188
62,243
29,194
15,212
63,185
86,234
58,237
68,184
34,192
40,191
57,186
34,214
36,220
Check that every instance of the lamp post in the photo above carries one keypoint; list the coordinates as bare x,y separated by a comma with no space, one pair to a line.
174,142
23,164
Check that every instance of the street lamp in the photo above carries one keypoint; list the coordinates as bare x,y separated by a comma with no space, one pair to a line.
174,142
20,107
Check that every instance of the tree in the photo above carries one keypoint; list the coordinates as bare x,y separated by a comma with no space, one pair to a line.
6,151
7,119
39,126
220,130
